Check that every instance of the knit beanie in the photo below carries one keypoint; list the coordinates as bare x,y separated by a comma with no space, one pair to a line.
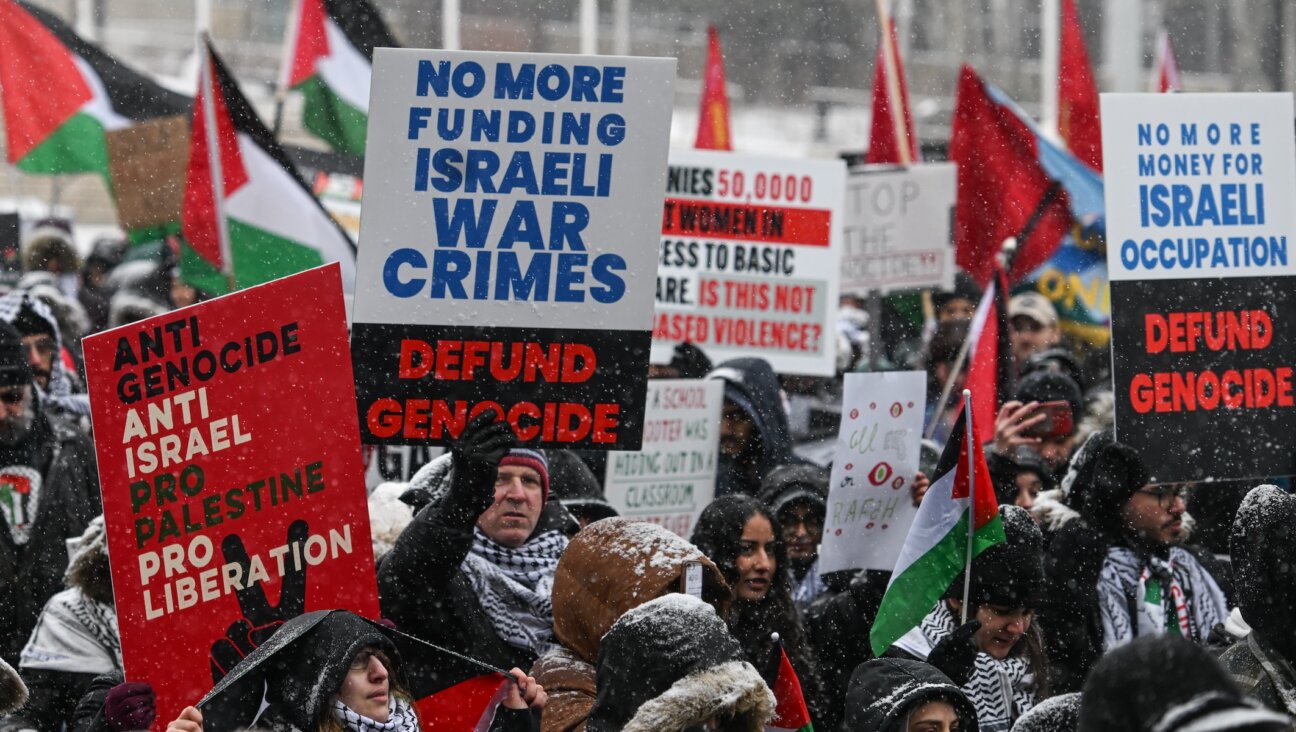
14,370
534,459
1010,574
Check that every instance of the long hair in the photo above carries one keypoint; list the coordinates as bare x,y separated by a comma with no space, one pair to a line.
395,688
718,533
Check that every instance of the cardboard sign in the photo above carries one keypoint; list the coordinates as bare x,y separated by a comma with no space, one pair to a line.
148,162
1200,231
508,245
672,478
896,234
869,505
750,259
233,492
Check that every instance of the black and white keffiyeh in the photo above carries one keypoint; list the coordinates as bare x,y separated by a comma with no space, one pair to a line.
1001,690
400,717
515,586
1147,595
74,634
810,587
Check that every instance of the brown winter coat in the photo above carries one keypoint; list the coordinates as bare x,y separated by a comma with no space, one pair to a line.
610,567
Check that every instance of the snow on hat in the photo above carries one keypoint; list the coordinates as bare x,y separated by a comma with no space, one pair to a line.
1010,574
1102,476
14,370
534,459
1035,306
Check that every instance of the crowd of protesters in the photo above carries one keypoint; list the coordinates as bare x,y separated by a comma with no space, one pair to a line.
1098,612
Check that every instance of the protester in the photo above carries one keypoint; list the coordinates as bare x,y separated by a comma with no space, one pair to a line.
741,536
670,665
838,628
49,248
1059,713
902,695
939,362
610,567
1033,325
43,346
755,436
95,293
997,655
576,486
339,672
474,569
1264,583
50,490
1117,566
1041,417
798,497
1019,478
76,637
958,304
1162,683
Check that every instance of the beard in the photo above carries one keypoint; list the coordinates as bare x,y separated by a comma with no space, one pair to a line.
16,429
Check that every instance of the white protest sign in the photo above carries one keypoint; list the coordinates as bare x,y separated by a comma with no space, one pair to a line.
511,222
673,477
869,506
896,234
1198,185
749,259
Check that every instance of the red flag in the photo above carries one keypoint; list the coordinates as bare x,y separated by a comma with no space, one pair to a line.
465,707
790,711
713,116
990,360
1077,93
1003,189
883,145
1167,68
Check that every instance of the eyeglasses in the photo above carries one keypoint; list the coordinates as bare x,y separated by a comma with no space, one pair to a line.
12,396
1168,495
44,346
361,660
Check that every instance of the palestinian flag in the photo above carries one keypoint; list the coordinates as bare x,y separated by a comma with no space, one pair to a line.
884,140
790,712
935,551
330,58
259,221
61,94
990,365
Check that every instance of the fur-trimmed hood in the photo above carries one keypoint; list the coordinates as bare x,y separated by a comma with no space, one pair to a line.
1052,512
732,690
13,692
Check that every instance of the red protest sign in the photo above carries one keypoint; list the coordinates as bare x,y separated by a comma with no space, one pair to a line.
233,486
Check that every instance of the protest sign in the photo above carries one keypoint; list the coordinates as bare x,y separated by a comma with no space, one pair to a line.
508,244
229,460
1203,285
396,463
749,259
672,477
147,163
869,504
896,230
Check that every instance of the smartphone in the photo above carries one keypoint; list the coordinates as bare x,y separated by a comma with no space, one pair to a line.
1057,422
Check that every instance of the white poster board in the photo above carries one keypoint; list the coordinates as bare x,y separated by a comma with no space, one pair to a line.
749,259
673,477
869,504
897,231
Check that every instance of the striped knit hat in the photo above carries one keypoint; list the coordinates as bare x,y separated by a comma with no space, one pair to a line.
534,459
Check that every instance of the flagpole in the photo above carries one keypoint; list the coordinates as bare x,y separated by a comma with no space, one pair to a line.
1050,57
214,163
971,473
285,64
890,65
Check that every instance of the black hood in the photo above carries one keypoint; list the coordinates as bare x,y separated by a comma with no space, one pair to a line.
1010,574
1059,713
573,483
752,384
1264,565
883,691
1102,476
788,484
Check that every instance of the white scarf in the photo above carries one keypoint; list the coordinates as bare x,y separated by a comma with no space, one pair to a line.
1160,592
515,586
74,634
1001,689
400,717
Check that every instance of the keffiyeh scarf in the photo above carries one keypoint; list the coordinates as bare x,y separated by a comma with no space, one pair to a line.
514,587
1001,690
76,635
400,717
1147,595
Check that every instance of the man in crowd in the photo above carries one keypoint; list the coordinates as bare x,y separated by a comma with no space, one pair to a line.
475,568
43,347
1033,325
798,496
1117,566
49,491
755,436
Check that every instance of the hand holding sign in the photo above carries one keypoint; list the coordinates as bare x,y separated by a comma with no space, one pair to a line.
260,619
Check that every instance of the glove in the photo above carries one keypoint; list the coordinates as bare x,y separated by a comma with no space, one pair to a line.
690,360
476,456
956,655
130,706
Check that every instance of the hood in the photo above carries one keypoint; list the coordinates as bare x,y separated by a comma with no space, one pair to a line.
1059,713
884,690
12,304
787,484
88,568
670,664
752,384
388,517
576,486
126,306
1101,477
13,692
617,564
1264,565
